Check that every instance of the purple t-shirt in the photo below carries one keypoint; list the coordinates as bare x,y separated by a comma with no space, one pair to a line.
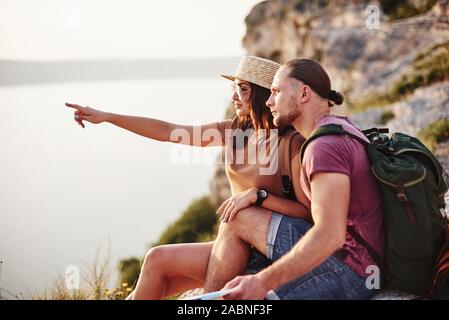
345,155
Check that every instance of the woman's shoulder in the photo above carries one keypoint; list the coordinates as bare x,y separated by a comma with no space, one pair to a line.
225,124
297,141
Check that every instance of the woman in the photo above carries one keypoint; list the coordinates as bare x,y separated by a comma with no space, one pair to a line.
174,268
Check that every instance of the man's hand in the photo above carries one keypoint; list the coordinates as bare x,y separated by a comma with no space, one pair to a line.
237,202
249,287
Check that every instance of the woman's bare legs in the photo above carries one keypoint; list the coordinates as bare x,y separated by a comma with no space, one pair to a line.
175,285
171,269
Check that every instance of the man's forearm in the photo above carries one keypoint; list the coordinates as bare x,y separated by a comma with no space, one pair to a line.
310,251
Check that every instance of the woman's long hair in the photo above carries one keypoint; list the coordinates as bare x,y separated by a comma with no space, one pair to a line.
260,116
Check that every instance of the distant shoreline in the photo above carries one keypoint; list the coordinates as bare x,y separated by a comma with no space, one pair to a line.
14,73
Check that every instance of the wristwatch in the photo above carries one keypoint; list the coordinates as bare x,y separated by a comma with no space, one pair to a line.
262,194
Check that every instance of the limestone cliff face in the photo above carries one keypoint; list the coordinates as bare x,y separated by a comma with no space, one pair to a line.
401,65
359,60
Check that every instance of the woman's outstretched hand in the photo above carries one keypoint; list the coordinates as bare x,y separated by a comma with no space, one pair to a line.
85,113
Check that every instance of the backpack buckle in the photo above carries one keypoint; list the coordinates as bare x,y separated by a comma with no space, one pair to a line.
402,197
401,192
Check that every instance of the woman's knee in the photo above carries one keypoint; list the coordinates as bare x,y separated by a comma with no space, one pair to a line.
241,222
250,225
155,259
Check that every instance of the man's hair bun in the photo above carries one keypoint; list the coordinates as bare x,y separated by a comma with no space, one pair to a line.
336,97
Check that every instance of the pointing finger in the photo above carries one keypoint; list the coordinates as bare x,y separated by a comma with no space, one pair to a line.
75,106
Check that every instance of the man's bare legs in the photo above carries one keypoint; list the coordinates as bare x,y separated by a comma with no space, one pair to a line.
230,252
171,269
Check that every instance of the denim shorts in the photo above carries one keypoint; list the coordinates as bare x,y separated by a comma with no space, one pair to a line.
331,280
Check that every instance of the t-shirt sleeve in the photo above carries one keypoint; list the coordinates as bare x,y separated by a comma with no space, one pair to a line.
327,154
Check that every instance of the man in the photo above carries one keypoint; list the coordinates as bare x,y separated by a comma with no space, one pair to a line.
319,261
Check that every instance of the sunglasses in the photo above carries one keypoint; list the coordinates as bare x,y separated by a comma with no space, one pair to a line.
241,90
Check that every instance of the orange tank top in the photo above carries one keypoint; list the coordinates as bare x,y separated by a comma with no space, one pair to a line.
252,165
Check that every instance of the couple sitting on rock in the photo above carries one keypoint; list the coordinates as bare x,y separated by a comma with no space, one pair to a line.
269,245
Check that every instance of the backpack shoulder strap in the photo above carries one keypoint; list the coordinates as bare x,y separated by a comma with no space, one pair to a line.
326,130
376,257
285,163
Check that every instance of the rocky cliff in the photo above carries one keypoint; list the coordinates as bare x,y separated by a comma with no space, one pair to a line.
389,58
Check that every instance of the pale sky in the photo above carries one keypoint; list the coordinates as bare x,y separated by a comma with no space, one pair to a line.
82,29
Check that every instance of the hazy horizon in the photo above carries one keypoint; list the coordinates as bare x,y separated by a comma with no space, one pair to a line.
41,72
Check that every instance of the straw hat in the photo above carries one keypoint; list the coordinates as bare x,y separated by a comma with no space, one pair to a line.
256,70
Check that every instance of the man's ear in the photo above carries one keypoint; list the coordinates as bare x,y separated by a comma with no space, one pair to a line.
305,94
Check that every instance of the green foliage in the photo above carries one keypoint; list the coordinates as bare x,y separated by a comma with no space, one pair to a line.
436,132
197,223
433,64
302,5
386,116
318,55
402,9
129,271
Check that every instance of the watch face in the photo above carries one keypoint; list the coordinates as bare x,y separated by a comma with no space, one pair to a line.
261,196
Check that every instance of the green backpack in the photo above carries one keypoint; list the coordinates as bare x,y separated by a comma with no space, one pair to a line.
412,186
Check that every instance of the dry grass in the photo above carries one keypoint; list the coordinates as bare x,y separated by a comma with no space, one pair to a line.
93,283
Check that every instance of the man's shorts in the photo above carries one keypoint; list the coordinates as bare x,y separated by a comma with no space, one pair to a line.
333,279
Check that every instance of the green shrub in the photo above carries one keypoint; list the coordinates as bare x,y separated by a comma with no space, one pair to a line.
386,116
196,223
129,271
402,9
436,132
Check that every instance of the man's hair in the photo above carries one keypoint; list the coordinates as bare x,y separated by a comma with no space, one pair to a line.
313,74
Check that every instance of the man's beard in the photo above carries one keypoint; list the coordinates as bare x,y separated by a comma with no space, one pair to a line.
292,115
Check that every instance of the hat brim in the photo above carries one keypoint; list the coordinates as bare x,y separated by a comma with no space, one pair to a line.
228,76
232,78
